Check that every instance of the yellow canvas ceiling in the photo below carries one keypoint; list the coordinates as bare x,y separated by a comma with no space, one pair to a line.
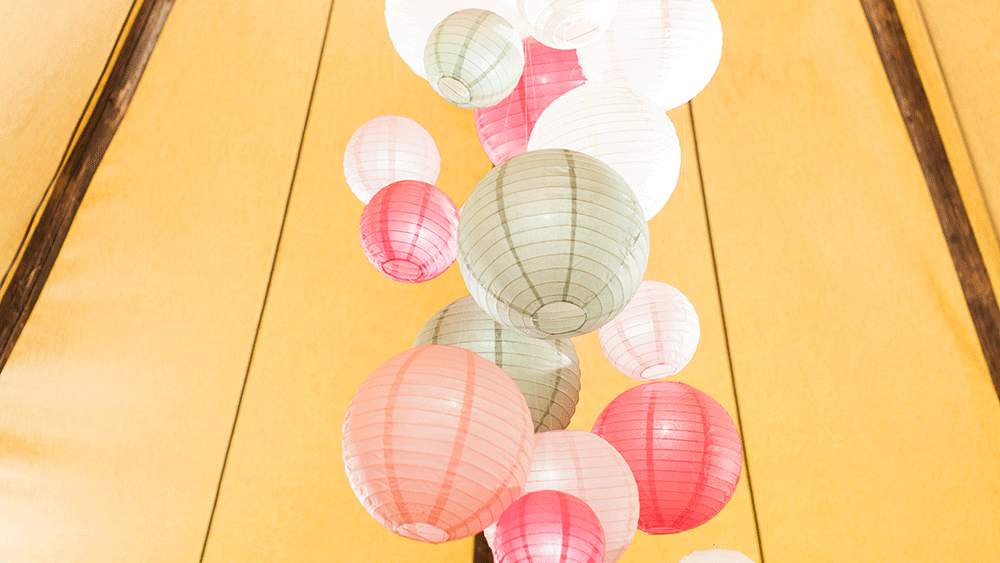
178,392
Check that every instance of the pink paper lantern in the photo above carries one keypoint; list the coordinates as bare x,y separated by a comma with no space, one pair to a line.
683,448
437,443
548,527
654,336
409,231
504,129
387,149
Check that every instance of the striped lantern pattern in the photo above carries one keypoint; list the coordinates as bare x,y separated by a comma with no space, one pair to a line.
546,371
552,243
548,527
437,443
683,448
585,466
410,22
548,73
622,128
656,334
716,556
680,42
409,231
473,58
566,24
387,149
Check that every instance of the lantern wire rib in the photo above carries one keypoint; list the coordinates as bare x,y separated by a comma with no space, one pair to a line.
725,332
270,279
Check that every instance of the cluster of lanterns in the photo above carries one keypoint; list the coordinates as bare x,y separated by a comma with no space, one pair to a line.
466,431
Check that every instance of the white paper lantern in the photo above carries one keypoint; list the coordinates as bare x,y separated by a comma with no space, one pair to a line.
473,58
566,24
716,556
622,128
552,243
410,23
387,149
665,49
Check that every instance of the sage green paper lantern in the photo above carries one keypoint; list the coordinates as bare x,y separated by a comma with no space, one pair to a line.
552,243
546,371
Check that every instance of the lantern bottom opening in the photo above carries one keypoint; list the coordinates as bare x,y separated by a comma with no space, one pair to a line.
559,317
580,32
422,532
453,90
402,270
659,371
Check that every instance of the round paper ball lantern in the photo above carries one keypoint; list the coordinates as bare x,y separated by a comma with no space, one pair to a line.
566,24
387,149
409,230
410,22
683,448
622,128
654,336
437,443
552,243
548,73
473,58
716,556
667,50
548,527
546,371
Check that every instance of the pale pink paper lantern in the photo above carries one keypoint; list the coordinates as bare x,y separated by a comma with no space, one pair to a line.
504,129
387,149
437,443
716,556
586,466
683,448
654,336
548,527
409,231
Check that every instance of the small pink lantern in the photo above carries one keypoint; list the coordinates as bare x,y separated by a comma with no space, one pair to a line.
683,448
654,336
387,149
409,231
548,527
437,443
504,129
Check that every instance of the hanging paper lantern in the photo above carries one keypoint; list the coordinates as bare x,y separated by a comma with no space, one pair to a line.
473,58
546,371
552,243
388,149
408,231
566,24
548,527
654,336
437,443
410,23
548,73
585,466
667,50
683,449
622,128
716,556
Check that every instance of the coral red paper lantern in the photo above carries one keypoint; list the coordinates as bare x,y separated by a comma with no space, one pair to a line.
683,448
504,129
437,443
409,231
548,527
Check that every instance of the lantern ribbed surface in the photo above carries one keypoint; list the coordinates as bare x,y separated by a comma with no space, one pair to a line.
546,371
473,58
387,149
437,443
683,448
548,73
623,129
716,556
566,24
409,231
667,50
410,22
654,336
552,243
548,527
586,466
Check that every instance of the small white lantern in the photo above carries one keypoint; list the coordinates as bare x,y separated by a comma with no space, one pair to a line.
566,24
716,556
387,149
